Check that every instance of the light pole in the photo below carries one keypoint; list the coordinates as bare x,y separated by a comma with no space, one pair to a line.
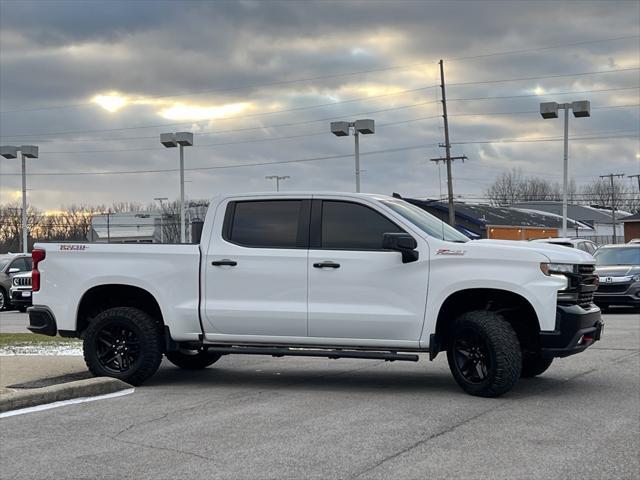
277,179
342,129
161,199
183,139
550,110
26,151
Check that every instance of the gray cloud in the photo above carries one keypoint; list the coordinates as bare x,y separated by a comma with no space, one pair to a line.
54,53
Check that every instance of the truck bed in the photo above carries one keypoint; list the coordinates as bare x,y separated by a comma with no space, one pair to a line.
169,272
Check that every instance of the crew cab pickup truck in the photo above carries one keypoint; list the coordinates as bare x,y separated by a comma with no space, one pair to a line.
334,275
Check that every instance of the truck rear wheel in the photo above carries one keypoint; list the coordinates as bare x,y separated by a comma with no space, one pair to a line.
192,359
484,354
123,343
534,364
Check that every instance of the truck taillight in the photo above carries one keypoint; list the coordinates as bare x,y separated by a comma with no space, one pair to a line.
37,255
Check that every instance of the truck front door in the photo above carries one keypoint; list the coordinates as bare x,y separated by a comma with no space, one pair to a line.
357,290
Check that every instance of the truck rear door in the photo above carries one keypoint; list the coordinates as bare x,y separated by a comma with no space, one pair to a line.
255,268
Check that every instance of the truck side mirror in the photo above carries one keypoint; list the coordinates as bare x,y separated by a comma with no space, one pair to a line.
403,243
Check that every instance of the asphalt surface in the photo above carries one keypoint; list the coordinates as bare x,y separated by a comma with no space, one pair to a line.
13,321
264,418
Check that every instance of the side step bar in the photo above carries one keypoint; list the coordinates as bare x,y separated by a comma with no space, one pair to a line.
309,352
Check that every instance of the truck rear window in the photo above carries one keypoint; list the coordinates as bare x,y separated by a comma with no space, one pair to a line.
266,224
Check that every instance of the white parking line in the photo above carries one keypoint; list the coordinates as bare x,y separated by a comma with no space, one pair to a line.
48,406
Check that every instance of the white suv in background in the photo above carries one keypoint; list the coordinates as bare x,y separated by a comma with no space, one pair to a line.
579,243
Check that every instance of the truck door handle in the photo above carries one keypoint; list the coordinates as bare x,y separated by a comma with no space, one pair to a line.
227,262
326,265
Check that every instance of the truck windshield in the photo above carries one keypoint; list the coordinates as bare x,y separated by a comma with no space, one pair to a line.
429,224
618,256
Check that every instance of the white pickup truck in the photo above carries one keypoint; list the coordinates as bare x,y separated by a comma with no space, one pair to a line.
334,275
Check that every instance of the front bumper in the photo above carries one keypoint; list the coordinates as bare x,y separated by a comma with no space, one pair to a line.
576,329
19,299
42,321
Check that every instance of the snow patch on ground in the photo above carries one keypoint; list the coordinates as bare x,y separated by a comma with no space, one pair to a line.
62,349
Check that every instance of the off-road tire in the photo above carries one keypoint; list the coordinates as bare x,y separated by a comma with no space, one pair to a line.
149,343
192,359
497,344
534,364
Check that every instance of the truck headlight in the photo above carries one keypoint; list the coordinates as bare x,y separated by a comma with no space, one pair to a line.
549,268
15,282
636,278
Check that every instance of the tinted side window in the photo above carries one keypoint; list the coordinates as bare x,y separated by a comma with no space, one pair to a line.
272,223
350,226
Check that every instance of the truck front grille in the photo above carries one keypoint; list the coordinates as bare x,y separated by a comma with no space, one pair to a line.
588,284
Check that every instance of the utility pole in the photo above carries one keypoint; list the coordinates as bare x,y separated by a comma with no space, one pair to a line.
637,175
613,200
444,160
447,146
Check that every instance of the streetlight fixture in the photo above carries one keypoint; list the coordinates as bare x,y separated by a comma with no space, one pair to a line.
26,151
342,129
171,140
161,199
277,179
550,110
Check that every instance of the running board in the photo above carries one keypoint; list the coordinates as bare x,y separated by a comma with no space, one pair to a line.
309,352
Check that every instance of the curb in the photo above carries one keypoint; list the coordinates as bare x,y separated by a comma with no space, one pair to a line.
91,387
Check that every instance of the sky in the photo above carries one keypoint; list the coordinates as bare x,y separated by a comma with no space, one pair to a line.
93,84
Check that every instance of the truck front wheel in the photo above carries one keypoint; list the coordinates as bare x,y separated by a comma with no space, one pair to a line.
484,354
192,359
124,343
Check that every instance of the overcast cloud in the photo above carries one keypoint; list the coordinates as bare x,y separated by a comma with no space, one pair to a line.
212,67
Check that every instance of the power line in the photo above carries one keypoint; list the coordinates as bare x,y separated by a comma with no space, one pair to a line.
536,49
240,117
231,118
216,132
325,77
303,160
543,94
147,149
519,79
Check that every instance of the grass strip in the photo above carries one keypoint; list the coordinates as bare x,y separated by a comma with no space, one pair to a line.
33,339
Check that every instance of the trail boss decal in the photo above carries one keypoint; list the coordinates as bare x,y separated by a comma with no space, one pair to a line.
74,247
449,251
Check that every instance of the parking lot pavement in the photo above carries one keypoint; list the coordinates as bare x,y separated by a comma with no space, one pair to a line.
14,322
259,417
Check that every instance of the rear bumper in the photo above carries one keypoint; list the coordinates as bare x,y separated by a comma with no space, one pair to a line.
576,330
42,321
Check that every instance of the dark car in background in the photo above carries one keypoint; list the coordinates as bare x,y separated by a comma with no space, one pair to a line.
10,265
618,267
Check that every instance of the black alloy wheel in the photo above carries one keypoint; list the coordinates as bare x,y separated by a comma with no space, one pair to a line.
472,356
118,348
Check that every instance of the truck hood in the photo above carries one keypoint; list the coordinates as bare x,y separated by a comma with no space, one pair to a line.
554,253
